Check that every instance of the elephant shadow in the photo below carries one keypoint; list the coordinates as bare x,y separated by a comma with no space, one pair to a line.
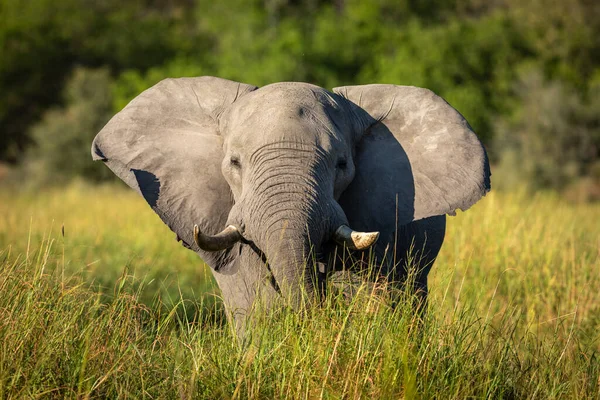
382,195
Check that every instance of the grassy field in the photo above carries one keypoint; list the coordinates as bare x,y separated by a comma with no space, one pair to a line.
116,308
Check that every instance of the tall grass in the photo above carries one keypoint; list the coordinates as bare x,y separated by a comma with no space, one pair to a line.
107,230
514,311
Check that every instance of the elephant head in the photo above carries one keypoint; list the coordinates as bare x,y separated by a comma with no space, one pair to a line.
257,180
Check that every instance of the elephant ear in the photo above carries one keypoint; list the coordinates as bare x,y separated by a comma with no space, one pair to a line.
417,156
165,144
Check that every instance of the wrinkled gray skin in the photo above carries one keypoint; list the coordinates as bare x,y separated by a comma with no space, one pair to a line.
288,163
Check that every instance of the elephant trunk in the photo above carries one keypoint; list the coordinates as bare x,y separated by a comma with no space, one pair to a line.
289,213
291,240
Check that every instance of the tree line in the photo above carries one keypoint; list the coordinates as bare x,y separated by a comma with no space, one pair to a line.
526,75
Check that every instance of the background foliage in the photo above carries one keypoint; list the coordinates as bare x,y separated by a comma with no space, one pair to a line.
525,74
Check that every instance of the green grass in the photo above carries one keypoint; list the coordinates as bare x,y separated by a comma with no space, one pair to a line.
107,230
514,311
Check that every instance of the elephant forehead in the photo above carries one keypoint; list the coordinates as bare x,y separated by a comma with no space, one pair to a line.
288,109
283,101
294,93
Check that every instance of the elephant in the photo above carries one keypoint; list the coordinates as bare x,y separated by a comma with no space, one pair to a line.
266,184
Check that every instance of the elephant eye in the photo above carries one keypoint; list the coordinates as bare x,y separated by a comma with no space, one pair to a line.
235,162
342,163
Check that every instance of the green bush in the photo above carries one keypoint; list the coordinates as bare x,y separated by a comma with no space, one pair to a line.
63,137
467,51
42,42
553,138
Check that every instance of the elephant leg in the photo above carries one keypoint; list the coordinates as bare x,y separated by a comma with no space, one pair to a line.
418,244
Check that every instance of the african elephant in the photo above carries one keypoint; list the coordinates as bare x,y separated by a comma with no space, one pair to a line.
274,175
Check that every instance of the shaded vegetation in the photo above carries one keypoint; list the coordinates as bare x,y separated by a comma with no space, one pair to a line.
479,55
63,138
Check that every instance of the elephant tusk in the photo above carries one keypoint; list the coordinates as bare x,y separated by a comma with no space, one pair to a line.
221,241
355,240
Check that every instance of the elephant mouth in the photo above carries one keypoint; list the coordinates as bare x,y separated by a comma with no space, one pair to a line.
344,235
232,234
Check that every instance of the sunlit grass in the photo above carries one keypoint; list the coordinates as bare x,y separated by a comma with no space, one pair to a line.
514,311
106,230
536,254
